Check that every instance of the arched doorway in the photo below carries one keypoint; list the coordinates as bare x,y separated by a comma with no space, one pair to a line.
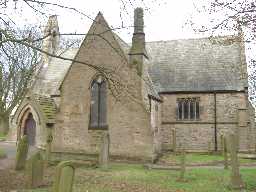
30,129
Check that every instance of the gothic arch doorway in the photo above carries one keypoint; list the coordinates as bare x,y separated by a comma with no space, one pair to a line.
30,129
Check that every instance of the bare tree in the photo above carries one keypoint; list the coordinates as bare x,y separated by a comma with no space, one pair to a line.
20,52
17,65
229,17
226,16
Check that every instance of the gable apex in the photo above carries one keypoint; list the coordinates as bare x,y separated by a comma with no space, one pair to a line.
99,13
100,28
99,20
101,31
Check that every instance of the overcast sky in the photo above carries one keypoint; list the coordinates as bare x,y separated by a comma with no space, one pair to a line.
164,19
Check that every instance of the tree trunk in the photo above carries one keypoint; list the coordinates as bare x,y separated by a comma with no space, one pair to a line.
4,124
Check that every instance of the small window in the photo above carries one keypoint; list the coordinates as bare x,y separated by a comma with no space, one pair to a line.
188,109
98,109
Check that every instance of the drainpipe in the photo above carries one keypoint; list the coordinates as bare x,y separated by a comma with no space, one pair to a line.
215,124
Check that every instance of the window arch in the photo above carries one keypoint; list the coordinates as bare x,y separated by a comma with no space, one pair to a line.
27,122
98,108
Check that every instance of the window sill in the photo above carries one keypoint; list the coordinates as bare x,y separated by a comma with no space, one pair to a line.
102,127
188,120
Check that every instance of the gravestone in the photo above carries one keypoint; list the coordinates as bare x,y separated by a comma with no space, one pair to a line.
34,170
182,166
21,153
64,177
236,180
104,151
222,144
225,152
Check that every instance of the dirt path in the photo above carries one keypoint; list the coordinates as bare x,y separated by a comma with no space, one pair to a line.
6,163
10,149
9,178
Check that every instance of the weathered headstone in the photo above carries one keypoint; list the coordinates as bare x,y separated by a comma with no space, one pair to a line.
236,180
182,165
225,153
222,144
21,153
35,170
174,140
64,177
104,151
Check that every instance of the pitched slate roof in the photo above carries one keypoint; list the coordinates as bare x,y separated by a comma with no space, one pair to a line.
175,65
50,77
47,107
195,64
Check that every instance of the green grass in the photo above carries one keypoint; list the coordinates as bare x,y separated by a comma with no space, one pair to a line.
127,177
2,136
199,180
35,190
200,158
2,153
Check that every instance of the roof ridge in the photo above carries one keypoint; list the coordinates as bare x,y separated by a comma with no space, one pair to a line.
201,38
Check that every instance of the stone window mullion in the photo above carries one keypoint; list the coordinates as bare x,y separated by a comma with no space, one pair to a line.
194,109
189,109
182,109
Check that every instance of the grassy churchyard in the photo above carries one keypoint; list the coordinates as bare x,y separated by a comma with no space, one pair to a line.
134,177
200,159
2,137
126,177
172,173
2,154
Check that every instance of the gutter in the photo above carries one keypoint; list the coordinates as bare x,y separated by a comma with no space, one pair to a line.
200,92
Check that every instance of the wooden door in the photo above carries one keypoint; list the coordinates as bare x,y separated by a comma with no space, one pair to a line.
30,129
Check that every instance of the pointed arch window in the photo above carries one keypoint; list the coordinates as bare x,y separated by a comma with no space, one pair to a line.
98,109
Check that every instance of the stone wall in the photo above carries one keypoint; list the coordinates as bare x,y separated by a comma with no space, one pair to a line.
128,120
196,135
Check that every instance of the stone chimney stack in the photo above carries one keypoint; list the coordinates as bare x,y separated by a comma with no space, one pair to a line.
137,51
52,38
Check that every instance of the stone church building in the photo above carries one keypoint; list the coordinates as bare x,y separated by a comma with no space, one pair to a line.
149,96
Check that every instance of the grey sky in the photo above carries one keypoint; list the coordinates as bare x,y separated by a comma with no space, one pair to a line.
164,19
